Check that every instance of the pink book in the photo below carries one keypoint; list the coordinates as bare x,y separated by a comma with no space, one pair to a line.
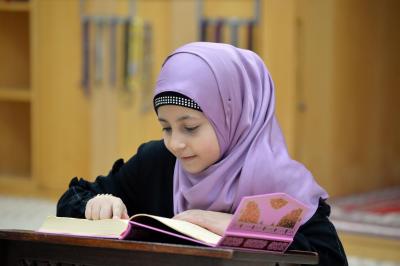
265,222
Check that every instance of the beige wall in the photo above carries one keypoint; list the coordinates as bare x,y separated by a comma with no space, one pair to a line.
346,132
366,94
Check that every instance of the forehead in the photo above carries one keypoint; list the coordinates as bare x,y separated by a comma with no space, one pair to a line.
174,112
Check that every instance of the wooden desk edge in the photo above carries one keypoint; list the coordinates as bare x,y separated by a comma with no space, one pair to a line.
26,235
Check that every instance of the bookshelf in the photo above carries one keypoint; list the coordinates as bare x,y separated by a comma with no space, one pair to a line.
15,92
43,111
14,6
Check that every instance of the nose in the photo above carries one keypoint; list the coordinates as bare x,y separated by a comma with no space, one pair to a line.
177,143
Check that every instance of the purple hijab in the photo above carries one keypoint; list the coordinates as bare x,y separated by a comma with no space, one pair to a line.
235,92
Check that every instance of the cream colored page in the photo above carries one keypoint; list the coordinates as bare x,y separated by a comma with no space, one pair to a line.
189,229
83,227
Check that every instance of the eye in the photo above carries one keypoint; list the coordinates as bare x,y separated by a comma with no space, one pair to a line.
166,129
191,129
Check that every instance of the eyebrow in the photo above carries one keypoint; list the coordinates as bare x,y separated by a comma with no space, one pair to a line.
184,117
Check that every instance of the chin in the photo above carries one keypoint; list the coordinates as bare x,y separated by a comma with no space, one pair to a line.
192,171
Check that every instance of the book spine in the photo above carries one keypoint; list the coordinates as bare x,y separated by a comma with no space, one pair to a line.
251,243
257,235
126,234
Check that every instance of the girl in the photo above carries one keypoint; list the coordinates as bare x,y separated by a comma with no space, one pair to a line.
221,141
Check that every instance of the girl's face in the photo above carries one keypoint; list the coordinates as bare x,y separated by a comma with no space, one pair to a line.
189,136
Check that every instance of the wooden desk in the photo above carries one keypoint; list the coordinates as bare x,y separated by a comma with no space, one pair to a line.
32,248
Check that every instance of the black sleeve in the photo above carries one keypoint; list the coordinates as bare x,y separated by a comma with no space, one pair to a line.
319,235
144,183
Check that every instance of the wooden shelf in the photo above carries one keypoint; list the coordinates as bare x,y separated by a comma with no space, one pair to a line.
15,6
17,185
23,180
15,136
15,98
19,95
15,45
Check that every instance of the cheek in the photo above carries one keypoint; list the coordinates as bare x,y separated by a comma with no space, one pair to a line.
214,154
210,149
166,143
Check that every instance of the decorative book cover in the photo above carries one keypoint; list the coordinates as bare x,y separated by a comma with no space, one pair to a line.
264,222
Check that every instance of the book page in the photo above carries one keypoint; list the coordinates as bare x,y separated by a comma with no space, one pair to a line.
186,228
107,228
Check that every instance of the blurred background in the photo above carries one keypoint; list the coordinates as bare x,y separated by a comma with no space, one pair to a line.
76,80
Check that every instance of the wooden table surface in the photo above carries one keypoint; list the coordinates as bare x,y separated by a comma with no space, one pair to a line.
18,247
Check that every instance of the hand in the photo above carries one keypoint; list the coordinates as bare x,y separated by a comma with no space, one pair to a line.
216,222
105,206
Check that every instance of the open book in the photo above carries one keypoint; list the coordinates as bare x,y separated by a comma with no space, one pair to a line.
263,222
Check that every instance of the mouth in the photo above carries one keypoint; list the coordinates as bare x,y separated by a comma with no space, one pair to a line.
187,158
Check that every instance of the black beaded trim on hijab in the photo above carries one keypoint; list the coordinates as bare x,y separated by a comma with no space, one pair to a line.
174,98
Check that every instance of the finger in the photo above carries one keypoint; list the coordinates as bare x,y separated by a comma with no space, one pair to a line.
192,216
96,209
118,208
183,215
105,210
125,214
88,209
179,216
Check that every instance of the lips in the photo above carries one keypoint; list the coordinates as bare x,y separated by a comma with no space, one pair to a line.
186,158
